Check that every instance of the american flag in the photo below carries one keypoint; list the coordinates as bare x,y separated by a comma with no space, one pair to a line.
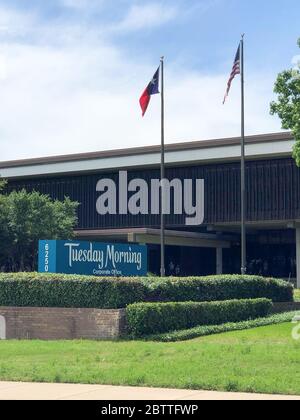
236,69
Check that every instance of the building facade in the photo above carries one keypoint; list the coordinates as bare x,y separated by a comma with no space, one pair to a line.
273,202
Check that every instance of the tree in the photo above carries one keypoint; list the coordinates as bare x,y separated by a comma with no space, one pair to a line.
287,107
27,217
5,241
2,184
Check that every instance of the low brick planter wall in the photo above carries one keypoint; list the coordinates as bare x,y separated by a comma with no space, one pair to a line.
61,323
285,307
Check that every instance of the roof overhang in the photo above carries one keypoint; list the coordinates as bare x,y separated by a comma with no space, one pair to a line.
182,154
152,236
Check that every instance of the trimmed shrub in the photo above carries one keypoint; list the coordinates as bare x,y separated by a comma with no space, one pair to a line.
217,288
205,330
154,318
71,291
65,291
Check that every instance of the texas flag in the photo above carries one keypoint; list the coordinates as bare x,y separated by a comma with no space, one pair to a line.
151,89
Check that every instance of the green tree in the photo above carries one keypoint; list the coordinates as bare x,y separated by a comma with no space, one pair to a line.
287,107
5,240
27,217
2,184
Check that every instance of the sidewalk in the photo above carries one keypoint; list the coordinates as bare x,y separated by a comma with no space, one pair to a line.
36,391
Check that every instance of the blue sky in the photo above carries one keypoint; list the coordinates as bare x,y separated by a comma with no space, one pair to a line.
71,71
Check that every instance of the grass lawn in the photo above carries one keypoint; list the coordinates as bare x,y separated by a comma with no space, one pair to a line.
297,295
264,360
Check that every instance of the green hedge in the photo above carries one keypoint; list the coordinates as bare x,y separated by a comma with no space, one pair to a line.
51,290
205,330
56,290
154,318
217,288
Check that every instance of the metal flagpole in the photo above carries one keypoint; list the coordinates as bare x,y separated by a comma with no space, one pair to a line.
162,173
243,170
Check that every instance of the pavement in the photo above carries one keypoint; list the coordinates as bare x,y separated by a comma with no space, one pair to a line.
37,391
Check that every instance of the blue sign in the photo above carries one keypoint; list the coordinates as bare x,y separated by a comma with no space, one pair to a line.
92,258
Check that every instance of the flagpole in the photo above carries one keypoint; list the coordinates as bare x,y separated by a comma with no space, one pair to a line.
243,169
162,174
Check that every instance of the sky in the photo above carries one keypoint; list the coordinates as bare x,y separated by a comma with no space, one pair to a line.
72,71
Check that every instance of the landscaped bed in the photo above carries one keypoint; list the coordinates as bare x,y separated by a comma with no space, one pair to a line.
153,305
205,330
265,360
153,318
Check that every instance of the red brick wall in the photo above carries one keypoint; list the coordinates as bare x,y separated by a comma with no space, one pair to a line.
60,323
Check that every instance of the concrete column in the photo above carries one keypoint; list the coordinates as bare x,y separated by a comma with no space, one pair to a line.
2,328
298,256
219,267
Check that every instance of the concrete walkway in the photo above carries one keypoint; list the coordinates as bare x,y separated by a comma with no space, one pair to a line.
36,391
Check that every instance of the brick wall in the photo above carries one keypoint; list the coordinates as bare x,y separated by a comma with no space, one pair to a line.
60,323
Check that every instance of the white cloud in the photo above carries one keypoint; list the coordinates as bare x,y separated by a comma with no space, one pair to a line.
3,67
81,4
145,16
296,61
82,95
77,4
14,23
196,110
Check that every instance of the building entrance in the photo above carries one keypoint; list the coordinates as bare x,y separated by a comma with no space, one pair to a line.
183,261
